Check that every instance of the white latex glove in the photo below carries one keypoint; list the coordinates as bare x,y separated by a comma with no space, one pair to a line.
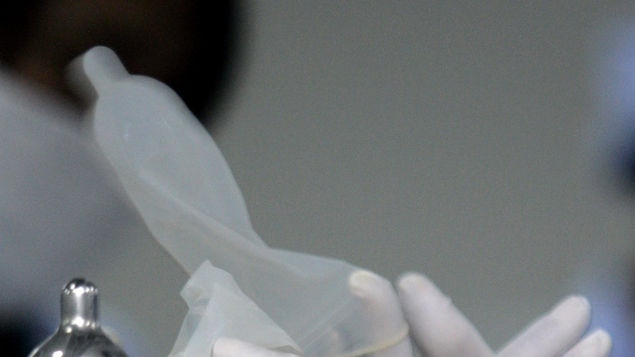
381,303
440,330
137,121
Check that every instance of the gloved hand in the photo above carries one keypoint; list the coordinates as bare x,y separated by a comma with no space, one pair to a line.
440,330
147,151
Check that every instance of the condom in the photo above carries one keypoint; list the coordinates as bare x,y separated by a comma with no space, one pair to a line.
179,182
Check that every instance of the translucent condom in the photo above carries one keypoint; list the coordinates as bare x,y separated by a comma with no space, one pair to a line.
179,182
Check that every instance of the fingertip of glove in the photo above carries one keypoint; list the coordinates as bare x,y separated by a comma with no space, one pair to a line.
597,344
413,282
580,301
364,282
572,306
601,341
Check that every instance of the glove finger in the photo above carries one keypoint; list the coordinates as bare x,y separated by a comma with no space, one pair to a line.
384,312
229,347
554,333
438,327
596,344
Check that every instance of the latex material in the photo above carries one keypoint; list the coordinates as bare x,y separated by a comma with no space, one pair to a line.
219,308
182,187
229,347
441,330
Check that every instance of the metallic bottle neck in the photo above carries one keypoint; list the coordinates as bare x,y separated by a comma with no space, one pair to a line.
79,306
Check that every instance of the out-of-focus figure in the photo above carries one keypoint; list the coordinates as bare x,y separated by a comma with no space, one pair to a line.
189,45
59,212
610,285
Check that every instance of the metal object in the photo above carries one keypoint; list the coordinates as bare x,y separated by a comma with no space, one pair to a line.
79,333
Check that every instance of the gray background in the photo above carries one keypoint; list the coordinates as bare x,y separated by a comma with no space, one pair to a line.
446,137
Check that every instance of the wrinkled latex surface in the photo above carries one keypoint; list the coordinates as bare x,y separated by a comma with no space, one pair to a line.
182,187
441,330
212,297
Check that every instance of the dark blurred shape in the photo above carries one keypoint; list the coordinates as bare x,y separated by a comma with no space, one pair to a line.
627,168
18,335
620,158
15,340
208,76
191,45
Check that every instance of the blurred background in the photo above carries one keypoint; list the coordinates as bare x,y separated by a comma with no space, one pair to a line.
464,140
